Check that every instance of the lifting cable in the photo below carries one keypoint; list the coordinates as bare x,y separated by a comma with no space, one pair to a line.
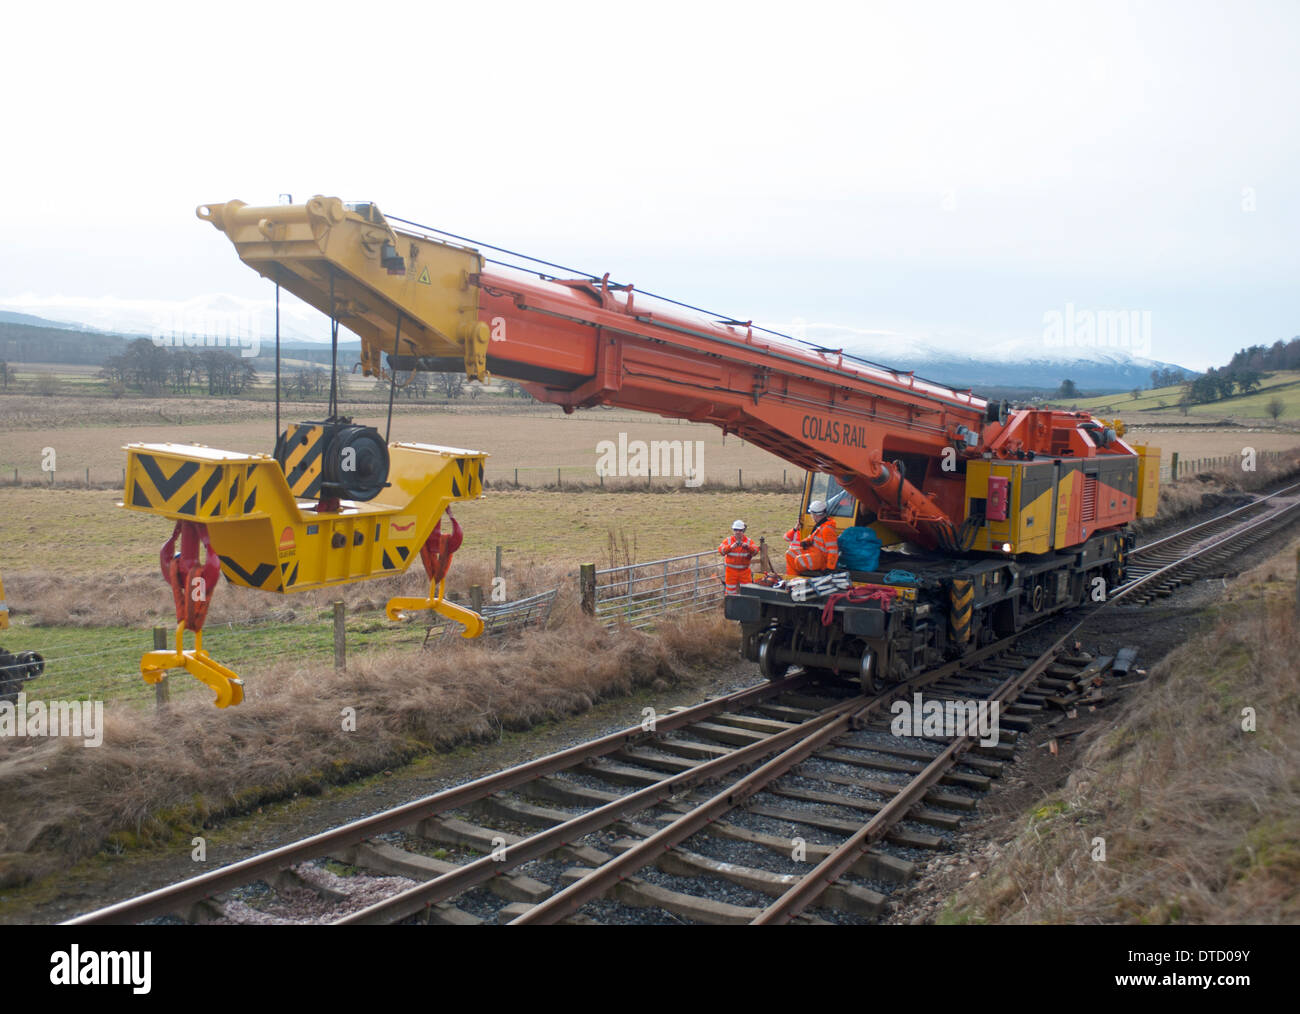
721,318
277,353
334,352
392,377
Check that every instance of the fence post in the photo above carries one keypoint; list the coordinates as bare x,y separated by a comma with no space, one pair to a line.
161,692
695,588
740,478
340,640
87,475
497,571
587,584
1173,467
559,482
516,477
476,597
663,595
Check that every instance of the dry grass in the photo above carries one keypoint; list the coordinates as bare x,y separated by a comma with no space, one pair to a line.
161,780
1195,493
1201,819
58,534
142,600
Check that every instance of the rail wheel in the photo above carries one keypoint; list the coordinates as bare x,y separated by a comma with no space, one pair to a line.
767,663
867,673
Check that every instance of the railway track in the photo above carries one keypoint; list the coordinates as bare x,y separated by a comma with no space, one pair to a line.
1204,548
791,801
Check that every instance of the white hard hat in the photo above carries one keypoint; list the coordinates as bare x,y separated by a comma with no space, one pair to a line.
738,525
817,507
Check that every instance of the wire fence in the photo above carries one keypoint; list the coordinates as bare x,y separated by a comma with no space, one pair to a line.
501,620
508,477
66,478
587,476
1180,468
640,593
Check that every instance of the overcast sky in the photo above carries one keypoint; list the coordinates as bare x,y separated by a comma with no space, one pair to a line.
951,173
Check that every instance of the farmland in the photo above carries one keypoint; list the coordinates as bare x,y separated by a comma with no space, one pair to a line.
1163,401
82,573
534,439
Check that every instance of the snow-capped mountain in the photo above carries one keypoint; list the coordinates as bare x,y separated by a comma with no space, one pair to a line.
213,314
1041,361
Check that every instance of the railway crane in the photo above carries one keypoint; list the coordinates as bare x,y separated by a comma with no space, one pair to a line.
988,516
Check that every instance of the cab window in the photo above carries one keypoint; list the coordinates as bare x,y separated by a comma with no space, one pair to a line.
841,503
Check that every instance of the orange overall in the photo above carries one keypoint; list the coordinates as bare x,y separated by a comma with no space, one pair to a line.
737,552
820,552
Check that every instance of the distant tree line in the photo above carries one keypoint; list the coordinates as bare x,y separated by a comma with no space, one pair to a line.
1167,377
1218,383
24,343
1278,356
153,369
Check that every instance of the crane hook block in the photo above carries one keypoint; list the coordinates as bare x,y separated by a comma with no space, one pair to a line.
436,554
228,687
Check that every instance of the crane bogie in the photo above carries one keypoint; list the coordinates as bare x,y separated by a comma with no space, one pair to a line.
950,608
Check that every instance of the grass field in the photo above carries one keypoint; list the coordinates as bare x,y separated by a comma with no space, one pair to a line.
66,533
1193,442
1282,384
535,441
82,577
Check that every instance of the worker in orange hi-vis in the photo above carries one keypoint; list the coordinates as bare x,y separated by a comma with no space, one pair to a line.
820,551
737,552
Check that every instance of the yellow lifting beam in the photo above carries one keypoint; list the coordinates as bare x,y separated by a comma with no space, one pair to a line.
269,539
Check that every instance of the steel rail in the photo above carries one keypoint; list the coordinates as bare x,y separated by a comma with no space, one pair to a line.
415,899
1188,559
834,866
177,896
600,880
1188,532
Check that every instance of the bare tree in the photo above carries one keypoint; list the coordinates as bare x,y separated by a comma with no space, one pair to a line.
451,384
1275,408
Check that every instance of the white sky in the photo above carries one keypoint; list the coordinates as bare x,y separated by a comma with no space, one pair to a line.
950,172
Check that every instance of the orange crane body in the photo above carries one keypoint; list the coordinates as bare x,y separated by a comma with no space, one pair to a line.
1021,510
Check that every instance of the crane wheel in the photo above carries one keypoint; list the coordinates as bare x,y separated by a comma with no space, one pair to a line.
768,666
867,673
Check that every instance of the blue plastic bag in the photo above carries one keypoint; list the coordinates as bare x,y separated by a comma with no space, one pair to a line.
859,549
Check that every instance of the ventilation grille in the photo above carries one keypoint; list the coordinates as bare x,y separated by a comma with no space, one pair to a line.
1089,512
